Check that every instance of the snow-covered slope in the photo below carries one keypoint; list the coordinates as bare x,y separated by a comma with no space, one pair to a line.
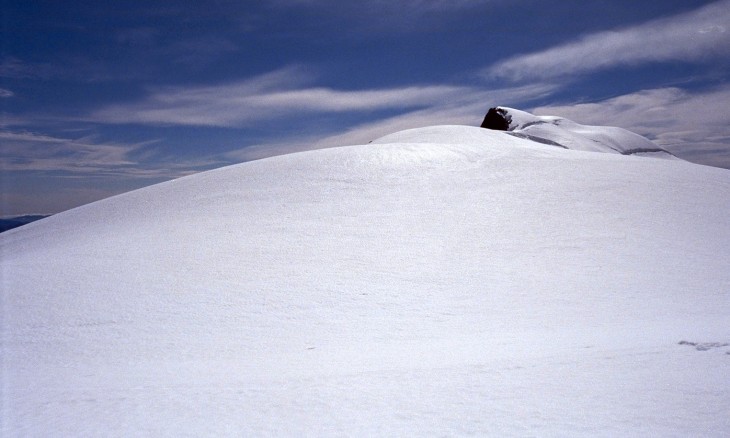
440,281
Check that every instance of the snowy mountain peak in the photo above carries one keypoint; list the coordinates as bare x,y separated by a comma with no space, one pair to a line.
567,134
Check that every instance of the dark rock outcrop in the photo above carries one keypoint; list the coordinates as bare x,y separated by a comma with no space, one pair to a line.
497,119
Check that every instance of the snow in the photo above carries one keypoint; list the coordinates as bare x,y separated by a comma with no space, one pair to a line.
441,281
568,134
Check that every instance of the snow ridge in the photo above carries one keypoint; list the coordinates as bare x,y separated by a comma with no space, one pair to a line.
568,134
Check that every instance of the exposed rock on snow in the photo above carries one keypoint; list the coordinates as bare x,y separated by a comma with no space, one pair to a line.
564,133
496,119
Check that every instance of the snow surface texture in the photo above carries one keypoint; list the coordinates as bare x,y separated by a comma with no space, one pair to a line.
440,281
557,131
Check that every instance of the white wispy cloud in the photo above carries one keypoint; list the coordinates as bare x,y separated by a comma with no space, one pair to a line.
692,125
693,36
14,68
267,97
6,93
26,151
77,67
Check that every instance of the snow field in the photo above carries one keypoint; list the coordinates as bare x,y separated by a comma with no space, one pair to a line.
442,281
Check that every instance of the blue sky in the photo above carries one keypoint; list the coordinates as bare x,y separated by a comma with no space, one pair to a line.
99,98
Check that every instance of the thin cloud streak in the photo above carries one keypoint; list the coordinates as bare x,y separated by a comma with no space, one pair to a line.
266,97
14,68
385,17
692,37
694,126
24,151
32,151
403,4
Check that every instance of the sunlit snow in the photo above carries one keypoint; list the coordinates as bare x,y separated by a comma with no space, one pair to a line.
440,281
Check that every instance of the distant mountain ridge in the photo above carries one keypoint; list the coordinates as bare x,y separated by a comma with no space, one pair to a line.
18,221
